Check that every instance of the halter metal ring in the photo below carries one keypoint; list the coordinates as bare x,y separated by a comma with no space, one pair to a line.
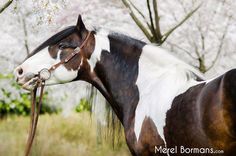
44,74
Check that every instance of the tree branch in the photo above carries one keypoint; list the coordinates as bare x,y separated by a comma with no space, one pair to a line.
132,4
183,7
140,13
151,20
25,37
221,45
157,19
179,47
167,34
7,4
137,21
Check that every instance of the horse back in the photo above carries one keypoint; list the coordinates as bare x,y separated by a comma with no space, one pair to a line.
205,116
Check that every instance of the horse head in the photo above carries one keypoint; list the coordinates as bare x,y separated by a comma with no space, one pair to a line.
65,56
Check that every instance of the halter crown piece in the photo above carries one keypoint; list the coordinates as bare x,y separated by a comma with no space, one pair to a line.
44,75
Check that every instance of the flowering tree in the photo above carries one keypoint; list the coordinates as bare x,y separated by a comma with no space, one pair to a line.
205,38
208,22
151,28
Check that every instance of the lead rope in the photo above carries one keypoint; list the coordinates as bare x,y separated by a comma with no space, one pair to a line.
34,114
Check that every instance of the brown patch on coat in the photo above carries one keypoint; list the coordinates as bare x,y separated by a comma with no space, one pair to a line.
183,123
148,139
204,116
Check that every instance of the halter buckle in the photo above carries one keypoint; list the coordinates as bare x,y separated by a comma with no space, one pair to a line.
44,74
77,49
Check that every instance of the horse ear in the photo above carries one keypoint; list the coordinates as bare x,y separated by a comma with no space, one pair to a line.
80,24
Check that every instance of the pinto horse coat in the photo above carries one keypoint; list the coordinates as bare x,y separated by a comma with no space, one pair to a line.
161,101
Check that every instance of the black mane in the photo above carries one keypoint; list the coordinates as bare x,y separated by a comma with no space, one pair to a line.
55,39
125,39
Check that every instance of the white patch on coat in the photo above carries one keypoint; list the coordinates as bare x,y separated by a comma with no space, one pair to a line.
101,43
58,54
38,61
161,78
43,60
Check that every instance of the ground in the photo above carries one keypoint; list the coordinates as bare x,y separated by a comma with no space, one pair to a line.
56,135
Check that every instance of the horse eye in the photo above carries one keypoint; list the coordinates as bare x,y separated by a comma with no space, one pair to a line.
61,46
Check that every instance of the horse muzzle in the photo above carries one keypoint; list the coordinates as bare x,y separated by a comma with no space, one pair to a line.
26,80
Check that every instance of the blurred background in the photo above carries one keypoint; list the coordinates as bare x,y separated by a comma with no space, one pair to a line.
75,119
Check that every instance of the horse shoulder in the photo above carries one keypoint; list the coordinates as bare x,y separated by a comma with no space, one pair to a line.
158,86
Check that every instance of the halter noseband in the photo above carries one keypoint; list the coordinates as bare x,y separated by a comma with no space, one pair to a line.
44,75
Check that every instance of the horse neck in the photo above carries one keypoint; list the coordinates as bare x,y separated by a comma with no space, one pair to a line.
129,70
117,68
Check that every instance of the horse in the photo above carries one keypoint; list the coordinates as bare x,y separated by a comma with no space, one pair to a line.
165,106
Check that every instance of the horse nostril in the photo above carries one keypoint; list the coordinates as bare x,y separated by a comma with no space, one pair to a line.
20,71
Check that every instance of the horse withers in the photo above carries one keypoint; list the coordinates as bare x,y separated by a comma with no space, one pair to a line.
164,105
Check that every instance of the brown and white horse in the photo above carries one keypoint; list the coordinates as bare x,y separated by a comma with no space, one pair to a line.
163,103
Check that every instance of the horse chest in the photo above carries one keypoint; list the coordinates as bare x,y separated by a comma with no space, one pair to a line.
154,101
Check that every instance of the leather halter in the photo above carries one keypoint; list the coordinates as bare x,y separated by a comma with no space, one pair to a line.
76,51
44,75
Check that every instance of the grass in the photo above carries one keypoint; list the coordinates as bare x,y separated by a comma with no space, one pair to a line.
56,136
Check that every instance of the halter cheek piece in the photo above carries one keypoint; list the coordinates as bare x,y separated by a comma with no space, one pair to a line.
44,75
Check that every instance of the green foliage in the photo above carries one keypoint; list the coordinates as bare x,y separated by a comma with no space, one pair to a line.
84,105
20,104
